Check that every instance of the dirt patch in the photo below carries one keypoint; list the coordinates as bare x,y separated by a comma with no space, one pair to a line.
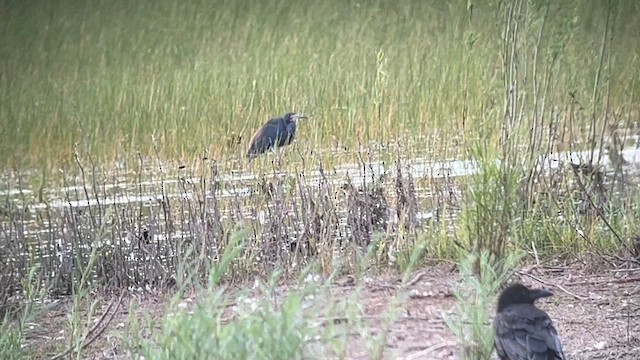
597,314
596,311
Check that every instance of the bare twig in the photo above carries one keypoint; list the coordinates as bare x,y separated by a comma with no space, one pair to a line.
94,332
548,283
423,353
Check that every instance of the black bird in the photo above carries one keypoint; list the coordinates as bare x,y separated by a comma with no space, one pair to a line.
522,331
275,132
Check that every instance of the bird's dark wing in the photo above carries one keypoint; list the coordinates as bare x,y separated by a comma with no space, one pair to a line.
523,332
289,133
266,137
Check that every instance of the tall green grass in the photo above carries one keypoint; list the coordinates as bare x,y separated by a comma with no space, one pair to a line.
113,75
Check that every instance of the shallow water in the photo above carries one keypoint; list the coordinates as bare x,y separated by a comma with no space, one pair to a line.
418,167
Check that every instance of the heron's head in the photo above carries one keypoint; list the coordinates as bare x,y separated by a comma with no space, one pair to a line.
293,116
520,294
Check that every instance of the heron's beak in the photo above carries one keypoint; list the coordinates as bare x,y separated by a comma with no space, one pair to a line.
540,293
300,116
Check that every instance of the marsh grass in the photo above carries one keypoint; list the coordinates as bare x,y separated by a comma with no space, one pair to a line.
288,224
195,76
164,90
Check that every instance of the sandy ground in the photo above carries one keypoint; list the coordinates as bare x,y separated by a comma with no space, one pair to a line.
596,310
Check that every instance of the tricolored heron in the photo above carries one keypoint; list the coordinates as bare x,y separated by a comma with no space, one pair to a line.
276,132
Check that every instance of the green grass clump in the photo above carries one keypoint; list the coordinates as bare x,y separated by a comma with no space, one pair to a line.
260,330
17,318
114,75
481,277
263,333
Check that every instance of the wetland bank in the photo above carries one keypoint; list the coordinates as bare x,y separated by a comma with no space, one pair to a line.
450,147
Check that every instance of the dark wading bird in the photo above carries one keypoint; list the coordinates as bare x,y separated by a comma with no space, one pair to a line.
276,132
522,331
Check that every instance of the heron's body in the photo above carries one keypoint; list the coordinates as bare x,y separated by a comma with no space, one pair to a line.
522,331
277,132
